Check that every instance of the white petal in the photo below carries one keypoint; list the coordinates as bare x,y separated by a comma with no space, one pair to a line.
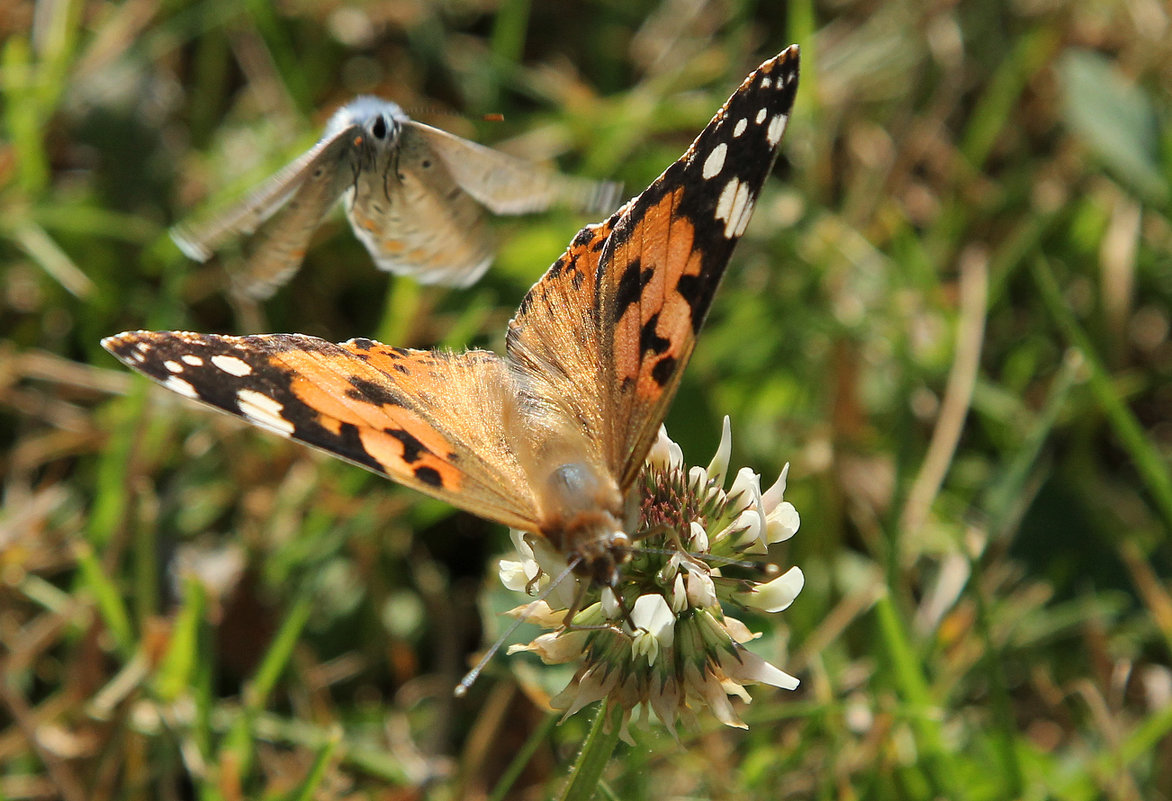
664,453
652,614
555,648
708,687
772,496
610,604
513,575
553,563
737,630
594,685
718,467
701,591
520,543
679,595
749,528
782,523
730,687
665,698
746,488
645,644
698,541
697,478
539,613
670,568
750,667
778,594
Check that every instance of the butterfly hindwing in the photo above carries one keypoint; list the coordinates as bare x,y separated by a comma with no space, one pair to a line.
418,221
430,420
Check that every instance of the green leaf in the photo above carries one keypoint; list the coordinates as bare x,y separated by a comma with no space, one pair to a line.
1116,120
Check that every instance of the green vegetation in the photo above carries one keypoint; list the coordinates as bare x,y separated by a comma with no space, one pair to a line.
950,313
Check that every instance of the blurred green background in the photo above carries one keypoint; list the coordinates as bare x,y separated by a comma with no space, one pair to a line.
950,313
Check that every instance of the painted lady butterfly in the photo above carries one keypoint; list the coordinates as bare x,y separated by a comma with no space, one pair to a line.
550,437
415,196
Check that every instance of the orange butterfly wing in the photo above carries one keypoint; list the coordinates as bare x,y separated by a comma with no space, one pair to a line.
431,420
609,328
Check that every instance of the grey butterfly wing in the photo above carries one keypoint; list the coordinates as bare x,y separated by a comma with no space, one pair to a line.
293,202
416,220
509,185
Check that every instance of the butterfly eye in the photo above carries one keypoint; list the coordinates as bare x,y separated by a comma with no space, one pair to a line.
380,127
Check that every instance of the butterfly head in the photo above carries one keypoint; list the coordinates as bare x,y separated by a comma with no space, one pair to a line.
381,121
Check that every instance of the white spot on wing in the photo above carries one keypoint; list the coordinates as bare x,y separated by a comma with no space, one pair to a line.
176,384
760,115
735,207
174,367
724,203
745,202
742,124
715,161
776,129
741,211
232,365
192,359
766,83
262,410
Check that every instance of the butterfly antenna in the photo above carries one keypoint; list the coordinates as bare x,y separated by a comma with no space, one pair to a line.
472,675
433,110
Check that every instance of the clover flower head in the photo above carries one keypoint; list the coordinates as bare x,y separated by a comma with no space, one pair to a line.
660,639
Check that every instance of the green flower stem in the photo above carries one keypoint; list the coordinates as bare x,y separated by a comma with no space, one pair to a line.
596,752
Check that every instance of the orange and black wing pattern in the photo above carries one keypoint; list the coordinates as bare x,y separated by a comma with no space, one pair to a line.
431,420
615,319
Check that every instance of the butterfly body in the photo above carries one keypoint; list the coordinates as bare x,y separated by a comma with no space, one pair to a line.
550,436
412,215
415,196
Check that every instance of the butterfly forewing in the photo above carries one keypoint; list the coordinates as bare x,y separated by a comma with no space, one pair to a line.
649,274
508,185
433,421
663,263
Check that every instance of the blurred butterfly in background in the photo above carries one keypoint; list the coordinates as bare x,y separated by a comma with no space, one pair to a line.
414,195
550,437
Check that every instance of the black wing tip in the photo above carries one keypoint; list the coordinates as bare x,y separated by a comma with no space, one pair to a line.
781,72
787,62
121,345
115,342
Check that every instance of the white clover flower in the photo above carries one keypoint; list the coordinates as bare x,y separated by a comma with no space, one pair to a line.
659,639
